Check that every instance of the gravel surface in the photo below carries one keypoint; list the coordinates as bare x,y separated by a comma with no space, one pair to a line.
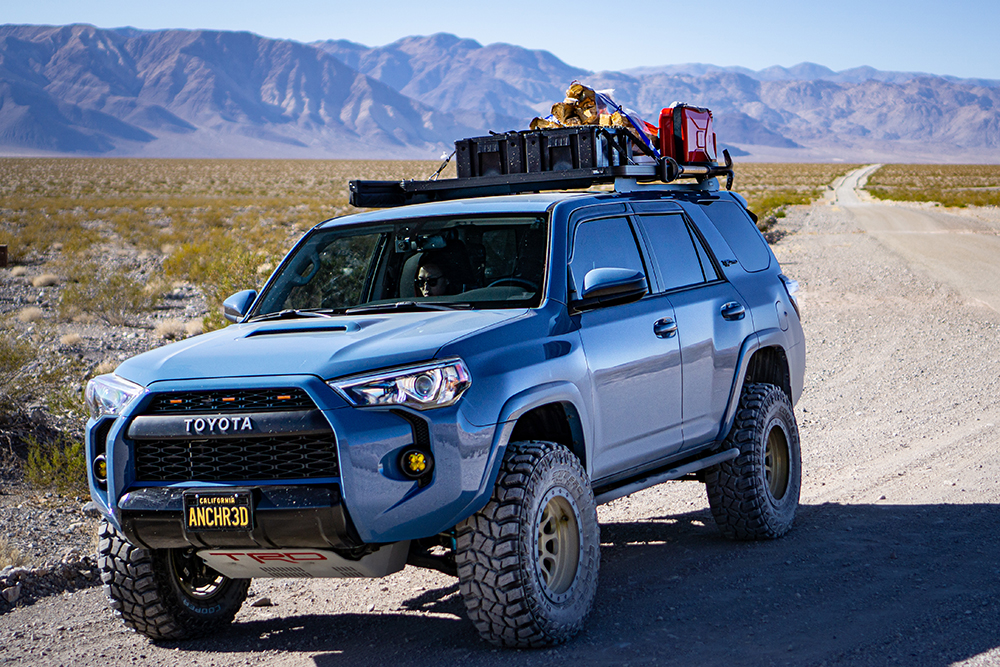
893,559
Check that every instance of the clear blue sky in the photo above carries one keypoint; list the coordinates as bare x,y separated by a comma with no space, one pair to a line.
961,37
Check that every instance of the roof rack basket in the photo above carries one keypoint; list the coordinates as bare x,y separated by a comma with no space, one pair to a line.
536,160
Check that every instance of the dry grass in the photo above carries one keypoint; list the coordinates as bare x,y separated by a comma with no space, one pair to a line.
948,185
71,339
30,314
9,556
45,280
113,296
223,224
769,188
172,329
216,215
106,366
15,356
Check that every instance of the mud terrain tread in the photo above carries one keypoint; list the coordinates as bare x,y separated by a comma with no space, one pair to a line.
137,585
740,502
493,579
129,583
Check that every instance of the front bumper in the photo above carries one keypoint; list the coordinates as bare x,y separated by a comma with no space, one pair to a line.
358,498
284,516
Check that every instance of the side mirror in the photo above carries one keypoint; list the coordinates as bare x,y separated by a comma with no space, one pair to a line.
236,307
607,286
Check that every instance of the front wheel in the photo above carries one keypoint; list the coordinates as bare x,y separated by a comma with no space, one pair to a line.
528,561
165,593
755,495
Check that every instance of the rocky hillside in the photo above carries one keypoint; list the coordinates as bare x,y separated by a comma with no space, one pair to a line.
83,90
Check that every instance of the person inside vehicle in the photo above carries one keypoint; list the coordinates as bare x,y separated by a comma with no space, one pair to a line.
431,279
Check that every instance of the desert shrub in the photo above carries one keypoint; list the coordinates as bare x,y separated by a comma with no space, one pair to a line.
15,357
171,329
70,339
29,372
30,314
64,393
61,465
219,268
45,280
114,296
9,556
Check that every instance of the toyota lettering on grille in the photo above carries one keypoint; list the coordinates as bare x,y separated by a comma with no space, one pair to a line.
206,425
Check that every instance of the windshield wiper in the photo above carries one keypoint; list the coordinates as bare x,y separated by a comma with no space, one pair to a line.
293,313
406,305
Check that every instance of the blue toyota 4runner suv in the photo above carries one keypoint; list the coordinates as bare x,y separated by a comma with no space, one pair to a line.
455,385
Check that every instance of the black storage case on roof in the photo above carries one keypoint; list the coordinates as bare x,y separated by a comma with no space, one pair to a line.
535,160
536,151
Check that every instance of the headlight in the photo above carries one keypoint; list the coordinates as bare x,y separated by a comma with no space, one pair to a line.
106,394
419,387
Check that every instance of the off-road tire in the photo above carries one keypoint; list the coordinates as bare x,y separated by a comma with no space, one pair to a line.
146,592
755,495
523,583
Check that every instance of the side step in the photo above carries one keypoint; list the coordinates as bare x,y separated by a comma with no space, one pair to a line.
646,481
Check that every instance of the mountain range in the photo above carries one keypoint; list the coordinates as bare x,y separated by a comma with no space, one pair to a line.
82,90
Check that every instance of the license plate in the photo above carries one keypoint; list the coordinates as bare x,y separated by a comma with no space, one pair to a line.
218,511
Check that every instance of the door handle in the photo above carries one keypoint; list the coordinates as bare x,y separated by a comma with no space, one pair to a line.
733,311
665,327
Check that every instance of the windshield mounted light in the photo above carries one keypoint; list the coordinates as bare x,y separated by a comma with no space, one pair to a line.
108,394
422,387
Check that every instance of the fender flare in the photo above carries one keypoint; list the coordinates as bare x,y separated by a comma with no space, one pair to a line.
767,338
516,406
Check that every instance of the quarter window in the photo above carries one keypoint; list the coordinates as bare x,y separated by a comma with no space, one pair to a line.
741,234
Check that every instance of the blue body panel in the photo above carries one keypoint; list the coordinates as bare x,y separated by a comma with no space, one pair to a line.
634,397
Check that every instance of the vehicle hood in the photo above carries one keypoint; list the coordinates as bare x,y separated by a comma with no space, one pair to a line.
324,347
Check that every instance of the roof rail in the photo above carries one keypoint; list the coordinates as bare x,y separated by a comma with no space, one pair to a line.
608,150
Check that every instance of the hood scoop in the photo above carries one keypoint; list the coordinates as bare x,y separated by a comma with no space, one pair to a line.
326,328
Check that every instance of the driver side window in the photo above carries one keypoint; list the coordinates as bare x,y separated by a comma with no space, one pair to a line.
603,243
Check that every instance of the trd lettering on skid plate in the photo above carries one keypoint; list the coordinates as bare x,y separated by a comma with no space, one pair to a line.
217,424
290,557
218,517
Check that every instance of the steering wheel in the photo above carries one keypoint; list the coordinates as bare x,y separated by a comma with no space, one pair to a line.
518,282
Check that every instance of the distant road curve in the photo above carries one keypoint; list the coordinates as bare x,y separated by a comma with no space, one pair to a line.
960,251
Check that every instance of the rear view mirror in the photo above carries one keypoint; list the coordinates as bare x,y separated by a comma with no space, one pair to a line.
238,305
608,285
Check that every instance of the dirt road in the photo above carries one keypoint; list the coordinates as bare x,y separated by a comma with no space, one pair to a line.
961,251
895,556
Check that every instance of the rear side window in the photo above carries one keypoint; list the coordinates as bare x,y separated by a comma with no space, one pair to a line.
603,243
675,251
741,234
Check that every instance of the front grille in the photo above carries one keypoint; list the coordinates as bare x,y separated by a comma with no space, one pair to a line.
286,456
232,400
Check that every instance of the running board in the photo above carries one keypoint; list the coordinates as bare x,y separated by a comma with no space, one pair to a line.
665,476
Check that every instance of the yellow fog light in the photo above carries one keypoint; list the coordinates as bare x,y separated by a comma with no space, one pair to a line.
101,470
416,463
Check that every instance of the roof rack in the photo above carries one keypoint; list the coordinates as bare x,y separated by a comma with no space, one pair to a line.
539,160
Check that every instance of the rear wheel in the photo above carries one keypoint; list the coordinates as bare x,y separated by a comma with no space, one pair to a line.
755,495
528,561
165,593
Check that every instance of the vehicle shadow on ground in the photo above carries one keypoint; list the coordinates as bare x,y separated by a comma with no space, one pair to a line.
850,584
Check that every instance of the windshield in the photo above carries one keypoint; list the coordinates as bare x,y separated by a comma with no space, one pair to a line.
488,262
